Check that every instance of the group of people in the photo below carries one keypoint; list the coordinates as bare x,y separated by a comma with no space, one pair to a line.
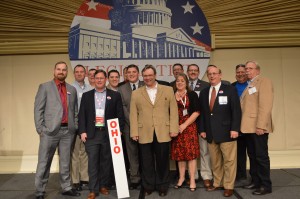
186,119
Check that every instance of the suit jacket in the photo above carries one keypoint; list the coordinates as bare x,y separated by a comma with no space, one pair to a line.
257,107
223,118
200,85
125,90
145,118
163,82
48,110
87,112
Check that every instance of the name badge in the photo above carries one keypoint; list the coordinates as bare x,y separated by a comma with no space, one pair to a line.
100,117
252,90
223,100
184,112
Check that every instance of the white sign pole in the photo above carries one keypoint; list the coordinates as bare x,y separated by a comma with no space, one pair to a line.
118,158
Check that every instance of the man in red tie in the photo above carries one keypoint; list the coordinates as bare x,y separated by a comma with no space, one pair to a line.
220,121
56,121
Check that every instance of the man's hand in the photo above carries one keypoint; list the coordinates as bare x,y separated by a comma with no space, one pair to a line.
203,135
83,137
135,138
234,134
173,134
260,131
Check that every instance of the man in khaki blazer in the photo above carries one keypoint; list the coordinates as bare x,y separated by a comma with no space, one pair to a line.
153,121
256,104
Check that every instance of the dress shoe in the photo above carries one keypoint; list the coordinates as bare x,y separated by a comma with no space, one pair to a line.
40,197
77,187
71,192
162,193
261,191
91,195
86,183
192,189
213,188
147,192
250,186
207,183
228,192
178,186
133,185
104,191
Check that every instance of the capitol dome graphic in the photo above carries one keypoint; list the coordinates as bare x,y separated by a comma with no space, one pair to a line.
157,32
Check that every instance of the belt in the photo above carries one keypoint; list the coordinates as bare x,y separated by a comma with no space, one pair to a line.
100,128
64,124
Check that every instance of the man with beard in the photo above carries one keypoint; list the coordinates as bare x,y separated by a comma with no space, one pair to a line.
55,117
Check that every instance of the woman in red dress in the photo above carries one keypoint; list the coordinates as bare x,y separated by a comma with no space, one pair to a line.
185,147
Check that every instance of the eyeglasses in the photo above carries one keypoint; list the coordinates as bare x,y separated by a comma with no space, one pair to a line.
193,71
212,74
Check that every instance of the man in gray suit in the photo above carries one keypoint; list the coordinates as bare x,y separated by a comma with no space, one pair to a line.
131,146
55,117
197,85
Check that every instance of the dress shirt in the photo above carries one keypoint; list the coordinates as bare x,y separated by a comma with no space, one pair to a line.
240,87
81,89
194,83
217,87
100,99
64,100
152,92
136,85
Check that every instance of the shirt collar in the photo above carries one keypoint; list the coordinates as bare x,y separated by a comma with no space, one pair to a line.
217,87
102,91
57,82
155,87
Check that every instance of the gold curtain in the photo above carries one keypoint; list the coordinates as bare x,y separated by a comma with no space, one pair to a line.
42,26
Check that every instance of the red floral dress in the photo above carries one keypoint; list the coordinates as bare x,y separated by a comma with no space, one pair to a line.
185,146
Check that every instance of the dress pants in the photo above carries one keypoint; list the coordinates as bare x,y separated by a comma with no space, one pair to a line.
205,162
48,144
79,165
99,160
257,146
241,157
223,161
132,148
155,164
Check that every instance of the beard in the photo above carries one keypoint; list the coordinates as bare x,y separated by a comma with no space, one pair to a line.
61,77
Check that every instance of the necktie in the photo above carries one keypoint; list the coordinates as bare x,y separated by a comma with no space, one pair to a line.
133,87
212,99
63,101
192,85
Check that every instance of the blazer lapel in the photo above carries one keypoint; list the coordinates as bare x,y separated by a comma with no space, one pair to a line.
54,87
146,96
107,100
158,94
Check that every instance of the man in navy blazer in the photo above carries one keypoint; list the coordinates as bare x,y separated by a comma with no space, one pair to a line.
97,106
220,123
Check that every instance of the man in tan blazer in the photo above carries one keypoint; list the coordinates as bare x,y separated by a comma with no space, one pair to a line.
256,104
153,121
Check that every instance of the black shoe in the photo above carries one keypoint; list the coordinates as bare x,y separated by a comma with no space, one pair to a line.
250,186
77,187
40,197
133,186
261,191
162,193
86,183
147,192
71,192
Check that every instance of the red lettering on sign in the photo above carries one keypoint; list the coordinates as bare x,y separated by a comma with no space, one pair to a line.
117,149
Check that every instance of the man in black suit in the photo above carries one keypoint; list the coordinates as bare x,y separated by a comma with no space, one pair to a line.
98,106
220,122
